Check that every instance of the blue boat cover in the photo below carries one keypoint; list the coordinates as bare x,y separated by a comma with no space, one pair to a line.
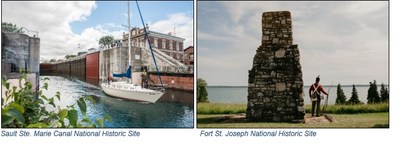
127,74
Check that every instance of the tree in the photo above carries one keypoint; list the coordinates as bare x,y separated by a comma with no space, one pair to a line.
354,96
106,40
53,60
9,27
373,95
70,56
81,53
384,93
202,91
341,98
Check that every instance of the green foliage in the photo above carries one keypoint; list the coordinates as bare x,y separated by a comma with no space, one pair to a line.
21,109
69,56
106,40
81,53
9,27
202,90
354,96
341,98
373,96
384,93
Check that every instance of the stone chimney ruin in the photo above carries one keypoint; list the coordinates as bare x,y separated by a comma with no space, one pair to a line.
275,90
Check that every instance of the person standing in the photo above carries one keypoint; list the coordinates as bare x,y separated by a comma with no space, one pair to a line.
145,77
315,95
110,78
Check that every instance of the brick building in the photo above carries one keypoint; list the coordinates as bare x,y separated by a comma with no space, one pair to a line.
188,56
167,43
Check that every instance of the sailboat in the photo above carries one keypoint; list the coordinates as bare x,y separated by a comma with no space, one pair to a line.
133,89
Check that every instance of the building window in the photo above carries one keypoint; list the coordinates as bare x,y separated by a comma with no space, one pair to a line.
155,43
181,47
191,56
163,43
141,42
177,46
170,44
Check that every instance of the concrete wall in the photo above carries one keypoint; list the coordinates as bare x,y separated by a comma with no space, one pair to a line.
34,54
116,61
20,51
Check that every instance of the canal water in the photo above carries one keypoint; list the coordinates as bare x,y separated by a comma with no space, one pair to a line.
173,110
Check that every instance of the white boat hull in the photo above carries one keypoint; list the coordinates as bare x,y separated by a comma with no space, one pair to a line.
131,92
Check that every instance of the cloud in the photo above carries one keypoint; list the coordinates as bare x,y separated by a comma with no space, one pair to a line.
53,22
181,22
335,39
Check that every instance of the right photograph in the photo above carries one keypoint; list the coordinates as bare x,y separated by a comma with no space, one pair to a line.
293,64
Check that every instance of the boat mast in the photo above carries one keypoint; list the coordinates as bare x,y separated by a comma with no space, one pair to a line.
129,36
148,40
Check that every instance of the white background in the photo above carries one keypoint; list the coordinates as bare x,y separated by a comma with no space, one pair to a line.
192,136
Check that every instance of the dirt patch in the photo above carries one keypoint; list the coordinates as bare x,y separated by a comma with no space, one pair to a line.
236,118
241,118
321,119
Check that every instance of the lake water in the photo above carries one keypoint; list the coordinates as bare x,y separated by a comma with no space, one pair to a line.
239,94
173,110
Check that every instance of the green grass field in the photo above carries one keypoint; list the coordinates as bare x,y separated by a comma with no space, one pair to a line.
363,120
346,116
219,108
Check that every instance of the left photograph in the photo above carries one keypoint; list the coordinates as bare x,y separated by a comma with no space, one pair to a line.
124,64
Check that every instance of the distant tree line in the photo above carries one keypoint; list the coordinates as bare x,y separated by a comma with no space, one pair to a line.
372,97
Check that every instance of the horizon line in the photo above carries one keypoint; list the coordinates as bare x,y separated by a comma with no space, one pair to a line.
304,85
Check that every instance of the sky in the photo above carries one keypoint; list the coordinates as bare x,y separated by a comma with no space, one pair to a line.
70,27
343,42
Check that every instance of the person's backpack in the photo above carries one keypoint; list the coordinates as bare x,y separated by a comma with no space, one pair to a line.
315,93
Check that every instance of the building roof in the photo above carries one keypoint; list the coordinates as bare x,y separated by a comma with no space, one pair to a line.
188,48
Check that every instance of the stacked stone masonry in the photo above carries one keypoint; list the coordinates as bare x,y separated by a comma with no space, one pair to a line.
275,91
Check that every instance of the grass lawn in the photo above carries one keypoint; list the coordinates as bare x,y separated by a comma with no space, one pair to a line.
221,108
362,120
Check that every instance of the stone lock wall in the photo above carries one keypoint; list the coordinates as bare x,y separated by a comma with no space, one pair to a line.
275,91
